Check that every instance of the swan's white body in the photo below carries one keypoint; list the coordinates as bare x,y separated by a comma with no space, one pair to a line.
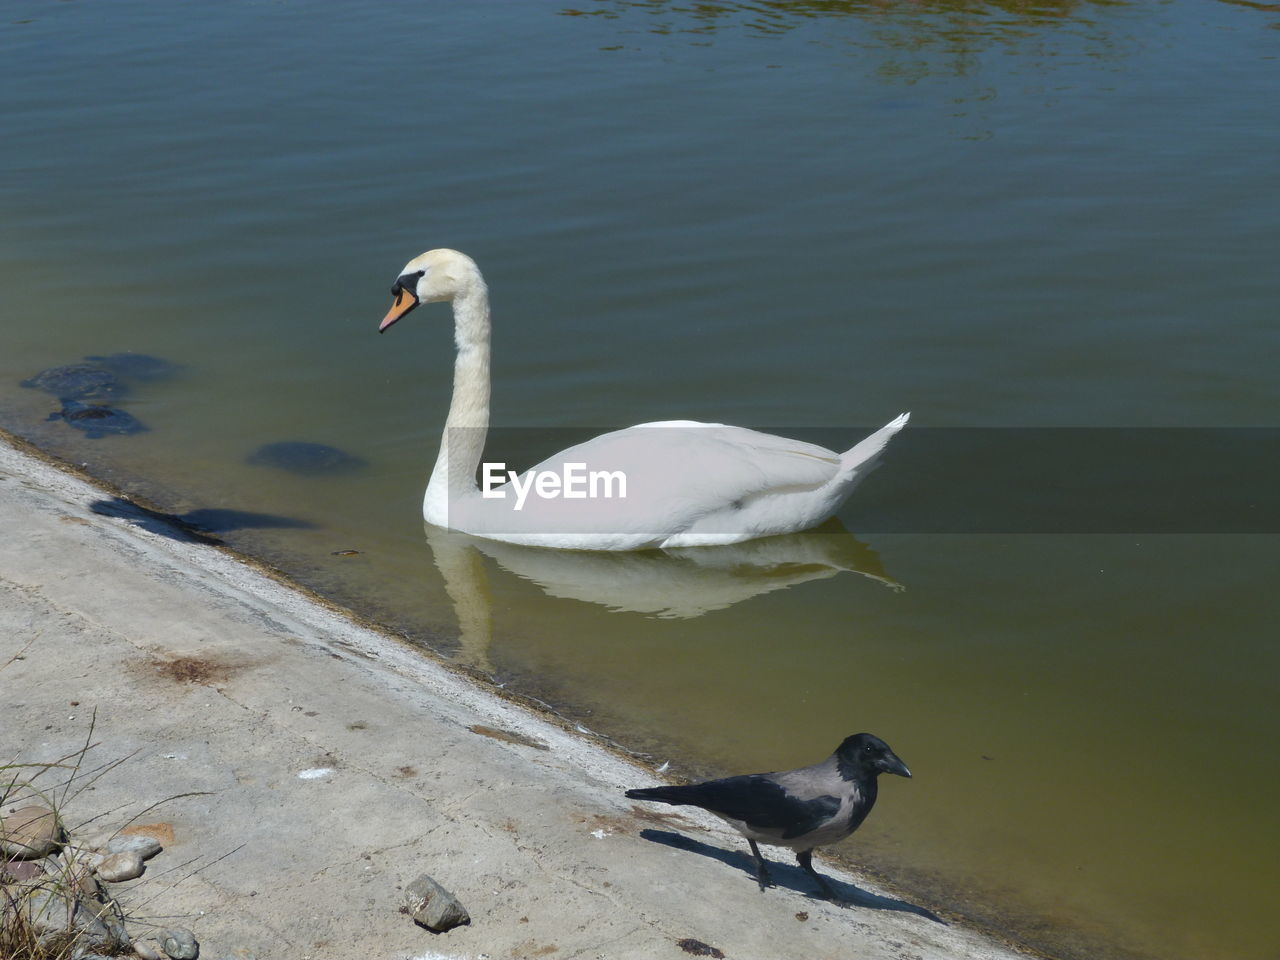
686,483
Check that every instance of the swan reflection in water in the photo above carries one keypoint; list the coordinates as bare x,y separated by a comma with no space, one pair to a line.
678,583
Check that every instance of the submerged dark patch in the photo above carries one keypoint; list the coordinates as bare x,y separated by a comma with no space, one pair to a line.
98,420
78,381
308,459
137,366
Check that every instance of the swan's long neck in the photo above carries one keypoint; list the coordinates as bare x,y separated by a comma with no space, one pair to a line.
462,443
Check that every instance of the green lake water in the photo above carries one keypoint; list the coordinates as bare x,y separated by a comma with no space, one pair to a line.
1059,217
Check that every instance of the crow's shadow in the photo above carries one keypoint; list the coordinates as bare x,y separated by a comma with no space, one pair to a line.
791,877
193,526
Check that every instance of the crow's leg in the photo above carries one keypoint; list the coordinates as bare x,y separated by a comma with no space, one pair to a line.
805,859
762,869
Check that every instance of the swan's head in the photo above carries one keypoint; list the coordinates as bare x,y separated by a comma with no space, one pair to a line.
431,277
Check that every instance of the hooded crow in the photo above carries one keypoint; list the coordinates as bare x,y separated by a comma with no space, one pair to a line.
800,809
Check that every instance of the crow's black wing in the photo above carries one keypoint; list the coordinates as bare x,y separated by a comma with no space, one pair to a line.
756,800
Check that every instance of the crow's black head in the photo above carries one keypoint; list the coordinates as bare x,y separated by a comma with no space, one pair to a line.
865,755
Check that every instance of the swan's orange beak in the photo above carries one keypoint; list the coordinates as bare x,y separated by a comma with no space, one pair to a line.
405,301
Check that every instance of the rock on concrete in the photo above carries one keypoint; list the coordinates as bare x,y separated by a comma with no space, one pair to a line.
54,911
120,867
139,845
29,833
179,943
433,906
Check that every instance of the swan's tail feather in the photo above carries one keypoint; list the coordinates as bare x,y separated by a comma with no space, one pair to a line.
863,455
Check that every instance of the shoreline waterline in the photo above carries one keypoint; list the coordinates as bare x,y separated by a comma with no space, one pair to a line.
58,497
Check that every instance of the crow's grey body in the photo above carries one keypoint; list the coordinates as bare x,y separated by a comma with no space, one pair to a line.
801,809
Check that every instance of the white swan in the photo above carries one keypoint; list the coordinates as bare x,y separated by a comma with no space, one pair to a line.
677,483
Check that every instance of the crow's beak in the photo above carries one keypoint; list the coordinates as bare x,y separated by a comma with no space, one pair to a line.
893,765
405,301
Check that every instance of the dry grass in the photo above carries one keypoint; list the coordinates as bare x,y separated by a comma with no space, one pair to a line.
45,913
41,915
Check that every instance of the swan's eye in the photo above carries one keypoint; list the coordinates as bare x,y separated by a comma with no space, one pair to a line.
407,282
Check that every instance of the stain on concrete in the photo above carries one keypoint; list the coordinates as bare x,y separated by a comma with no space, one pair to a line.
158,831
508,736
203,670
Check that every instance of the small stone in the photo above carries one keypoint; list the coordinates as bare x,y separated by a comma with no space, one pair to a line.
29,833
20,871
434,907
87,886
53,912
144,846
120,867
699,949
180,944
77,874
120,936
98,840
89,858
54,865
145,950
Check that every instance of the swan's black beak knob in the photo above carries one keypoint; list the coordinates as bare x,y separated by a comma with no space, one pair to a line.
406,300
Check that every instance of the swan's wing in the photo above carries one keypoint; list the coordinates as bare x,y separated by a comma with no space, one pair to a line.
707,461
661,478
